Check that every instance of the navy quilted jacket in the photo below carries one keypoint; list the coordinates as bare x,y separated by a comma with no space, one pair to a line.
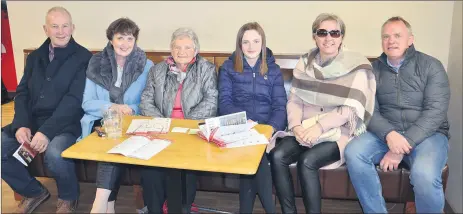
262,97
414,101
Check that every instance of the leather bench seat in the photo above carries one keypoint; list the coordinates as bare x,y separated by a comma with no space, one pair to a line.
335,183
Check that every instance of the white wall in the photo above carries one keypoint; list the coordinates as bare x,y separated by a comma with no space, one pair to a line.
287,24
454,193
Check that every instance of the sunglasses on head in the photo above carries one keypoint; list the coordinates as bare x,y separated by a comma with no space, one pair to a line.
324,33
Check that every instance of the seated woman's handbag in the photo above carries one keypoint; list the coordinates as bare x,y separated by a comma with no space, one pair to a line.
333,134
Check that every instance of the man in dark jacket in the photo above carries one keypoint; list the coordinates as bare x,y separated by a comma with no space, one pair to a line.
409,123
47,115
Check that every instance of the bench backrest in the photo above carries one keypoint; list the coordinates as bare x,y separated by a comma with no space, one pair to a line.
287,62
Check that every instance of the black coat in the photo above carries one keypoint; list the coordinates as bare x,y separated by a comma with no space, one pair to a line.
49,96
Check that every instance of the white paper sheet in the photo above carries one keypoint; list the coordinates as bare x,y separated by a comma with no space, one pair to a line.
180,129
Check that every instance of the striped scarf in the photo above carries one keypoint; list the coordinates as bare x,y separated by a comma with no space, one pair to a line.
347,81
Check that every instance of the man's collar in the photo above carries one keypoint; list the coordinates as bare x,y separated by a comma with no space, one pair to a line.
400,62
44,49
50,48
409,53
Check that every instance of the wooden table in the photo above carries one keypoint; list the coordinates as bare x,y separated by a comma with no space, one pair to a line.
186,152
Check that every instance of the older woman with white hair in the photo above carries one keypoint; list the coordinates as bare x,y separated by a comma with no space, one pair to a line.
184,86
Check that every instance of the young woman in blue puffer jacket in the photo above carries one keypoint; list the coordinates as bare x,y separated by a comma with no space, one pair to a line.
251,81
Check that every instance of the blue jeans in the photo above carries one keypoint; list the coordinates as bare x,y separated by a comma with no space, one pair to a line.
426,162
15,174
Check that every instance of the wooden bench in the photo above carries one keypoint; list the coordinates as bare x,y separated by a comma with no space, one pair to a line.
335,183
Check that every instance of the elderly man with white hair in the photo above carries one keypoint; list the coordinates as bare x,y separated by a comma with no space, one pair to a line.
47,115
184,86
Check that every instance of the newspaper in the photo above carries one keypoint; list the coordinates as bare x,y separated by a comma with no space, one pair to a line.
148,126
225,120
230,131
248,138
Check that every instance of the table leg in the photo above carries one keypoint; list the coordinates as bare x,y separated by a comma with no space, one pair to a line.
176,191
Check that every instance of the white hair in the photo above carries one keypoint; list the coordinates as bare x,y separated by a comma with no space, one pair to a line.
59,9
181,32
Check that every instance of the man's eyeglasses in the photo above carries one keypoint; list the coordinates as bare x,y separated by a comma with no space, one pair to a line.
323,33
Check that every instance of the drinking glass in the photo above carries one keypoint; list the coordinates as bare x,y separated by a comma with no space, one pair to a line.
112,123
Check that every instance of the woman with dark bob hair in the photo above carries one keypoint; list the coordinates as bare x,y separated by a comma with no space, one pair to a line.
116,78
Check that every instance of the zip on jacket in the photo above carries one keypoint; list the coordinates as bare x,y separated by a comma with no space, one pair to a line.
254,92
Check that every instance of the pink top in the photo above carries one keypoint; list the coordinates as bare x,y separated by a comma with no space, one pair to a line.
177,112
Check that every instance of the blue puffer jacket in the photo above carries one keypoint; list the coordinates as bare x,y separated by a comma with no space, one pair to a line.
262,97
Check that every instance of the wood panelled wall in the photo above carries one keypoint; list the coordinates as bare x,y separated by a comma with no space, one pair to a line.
287,62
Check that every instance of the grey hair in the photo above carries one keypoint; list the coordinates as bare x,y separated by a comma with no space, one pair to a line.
398,19
326,17
59,9
188,32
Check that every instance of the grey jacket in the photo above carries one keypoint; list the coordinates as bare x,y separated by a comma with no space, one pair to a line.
199,93
414,101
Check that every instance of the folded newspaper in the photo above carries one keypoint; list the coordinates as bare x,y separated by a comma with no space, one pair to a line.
230,131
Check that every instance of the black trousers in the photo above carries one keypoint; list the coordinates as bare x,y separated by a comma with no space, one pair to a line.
261,184
109,176
309,161
154,182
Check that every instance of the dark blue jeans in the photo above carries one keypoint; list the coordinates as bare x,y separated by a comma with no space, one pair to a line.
426,162
15,174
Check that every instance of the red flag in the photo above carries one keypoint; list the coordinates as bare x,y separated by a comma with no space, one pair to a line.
8,67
